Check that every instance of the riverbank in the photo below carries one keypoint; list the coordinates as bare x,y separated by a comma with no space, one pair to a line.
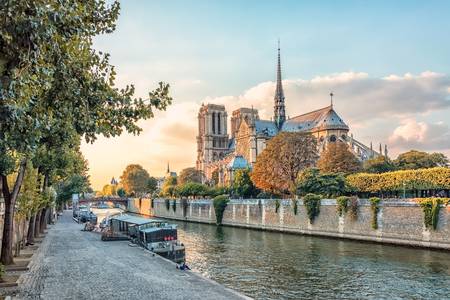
72,264
398,222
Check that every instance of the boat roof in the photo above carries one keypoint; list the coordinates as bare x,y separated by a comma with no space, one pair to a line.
151,229
134,219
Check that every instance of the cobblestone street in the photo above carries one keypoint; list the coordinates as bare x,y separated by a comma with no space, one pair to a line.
72,264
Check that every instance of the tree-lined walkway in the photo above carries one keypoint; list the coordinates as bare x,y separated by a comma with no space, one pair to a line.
72,264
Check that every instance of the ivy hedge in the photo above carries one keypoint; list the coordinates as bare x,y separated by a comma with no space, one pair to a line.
312,204
431,208
410,180
220,203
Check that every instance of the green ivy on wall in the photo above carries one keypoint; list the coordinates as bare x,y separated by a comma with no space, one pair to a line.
312,204
431,208
374,201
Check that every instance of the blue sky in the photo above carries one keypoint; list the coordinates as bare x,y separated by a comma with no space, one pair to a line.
219,50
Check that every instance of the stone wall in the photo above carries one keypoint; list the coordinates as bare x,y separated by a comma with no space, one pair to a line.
140,206
399,222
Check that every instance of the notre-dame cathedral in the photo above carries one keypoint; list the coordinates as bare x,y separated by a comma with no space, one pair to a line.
220,152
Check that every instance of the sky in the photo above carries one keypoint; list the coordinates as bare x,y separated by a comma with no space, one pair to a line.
386,62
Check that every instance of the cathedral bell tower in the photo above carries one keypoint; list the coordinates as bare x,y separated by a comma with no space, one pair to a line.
279,108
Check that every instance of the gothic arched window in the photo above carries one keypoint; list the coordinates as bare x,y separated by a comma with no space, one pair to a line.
213,122
333,138
218,123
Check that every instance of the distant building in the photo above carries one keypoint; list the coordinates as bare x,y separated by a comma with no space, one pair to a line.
218,152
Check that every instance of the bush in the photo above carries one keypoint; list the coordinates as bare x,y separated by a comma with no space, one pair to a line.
295,205
184,206
421,179
174,205
167,201
312,204
2,271
374,201
277,205
220,203
342,205
431,208
328,184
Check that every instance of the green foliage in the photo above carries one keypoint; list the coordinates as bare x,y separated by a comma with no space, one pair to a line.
152,184
220,203
167,202
421,179
380,164
109,190
312,204
277,205
2,271
326,184
342,205
174,205
121,192
134,180
169,188
267,195
431,208
184,206
76,184
242,185
190,175
374,207
192,189
418,160
220,190
295,206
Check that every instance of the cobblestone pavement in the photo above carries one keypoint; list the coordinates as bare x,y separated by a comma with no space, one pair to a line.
72,264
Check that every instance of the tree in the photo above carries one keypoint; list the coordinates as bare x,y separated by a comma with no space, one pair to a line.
215,177
109,190
337,158
190,175
169,187
51,77
76,184
378,164
191,189
278,165
418,160
325,184
121,192
152,184
242,184
134,180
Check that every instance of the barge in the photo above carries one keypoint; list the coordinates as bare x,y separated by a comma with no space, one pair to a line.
158,236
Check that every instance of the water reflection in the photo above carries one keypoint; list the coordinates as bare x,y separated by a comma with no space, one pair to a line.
268,265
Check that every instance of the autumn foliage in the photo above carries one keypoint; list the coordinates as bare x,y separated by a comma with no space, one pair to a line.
337,158
286,154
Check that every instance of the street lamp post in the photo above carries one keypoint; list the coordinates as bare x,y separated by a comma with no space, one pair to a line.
404,190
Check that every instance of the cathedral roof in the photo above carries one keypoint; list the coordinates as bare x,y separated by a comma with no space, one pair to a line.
324,118
238,162
266,127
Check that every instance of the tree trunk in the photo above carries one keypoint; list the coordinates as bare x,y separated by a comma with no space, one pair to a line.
6,257
31,228
43,221
37,223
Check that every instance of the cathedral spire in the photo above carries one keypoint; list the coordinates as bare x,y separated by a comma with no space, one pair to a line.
168,168
279,108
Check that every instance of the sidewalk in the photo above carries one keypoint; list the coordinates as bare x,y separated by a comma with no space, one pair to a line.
72,264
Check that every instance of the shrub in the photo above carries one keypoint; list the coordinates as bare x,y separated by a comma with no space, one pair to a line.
312,204
421,179
295,205
342,205
184,206
174,205
431,208
167,204
220,203
2,271
277,205
374,201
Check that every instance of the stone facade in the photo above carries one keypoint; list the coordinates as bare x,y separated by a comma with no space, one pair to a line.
399,222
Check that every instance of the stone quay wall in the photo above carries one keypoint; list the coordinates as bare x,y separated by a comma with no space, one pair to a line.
399,222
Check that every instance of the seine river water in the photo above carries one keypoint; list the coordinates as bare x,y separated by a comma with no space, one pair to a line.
268,265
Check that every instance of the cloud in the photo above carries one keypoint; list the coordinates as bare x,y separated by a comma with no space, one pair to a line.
358,97
412,134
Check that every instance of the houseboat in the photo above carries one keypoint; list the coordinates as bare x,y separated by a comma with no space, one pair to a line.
155,235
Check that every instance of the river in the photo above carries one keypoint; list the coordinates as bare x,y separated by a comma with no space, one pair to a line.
270,265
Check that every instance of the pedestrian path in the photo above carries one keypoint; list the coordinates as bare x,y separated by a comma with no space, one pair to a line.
73,264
